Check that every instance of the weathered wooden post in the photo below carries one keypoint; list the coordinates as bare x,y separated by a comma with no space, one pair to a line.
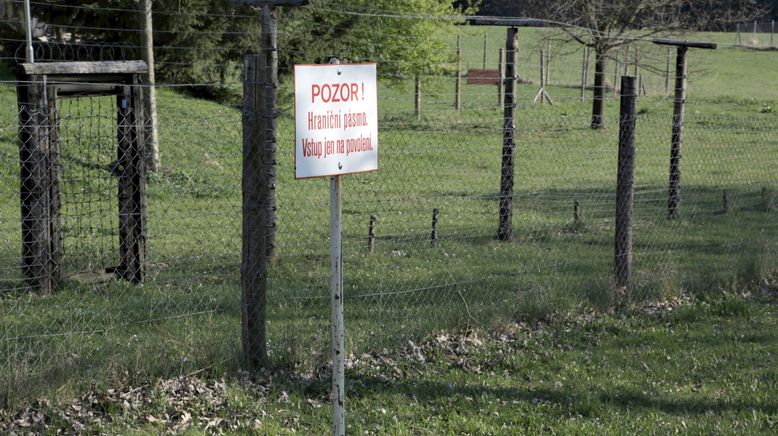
667,71
505,229
260,88
417,97
501,79
737,30
484,63
576,212
371,234
132,184
542,94
458,84
38,193
753,41
584,71
615,69
434,235
772,33
149,91
674,188
626,60
548,62
624,184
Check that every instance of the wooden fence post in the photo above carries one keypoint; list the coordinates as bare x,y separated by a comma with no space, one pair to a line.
417,97
542,94
434,235
626,60
371,234
132,184
151,147
576,212
484,63
548,62
501,78
737,30
667,71
458,85
260,87
615,69
624,184
504,231
39,192
677,134
753,42
584,71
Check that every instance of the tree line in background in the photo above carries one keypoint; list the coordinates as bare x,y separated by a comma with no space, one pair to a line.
203,41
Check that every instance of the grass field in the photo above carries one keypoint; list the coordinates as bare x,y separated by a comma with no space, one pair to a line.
186,317
694,366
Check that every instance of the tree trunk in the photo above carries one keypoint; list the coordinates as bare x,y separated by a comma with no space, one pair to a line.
599,89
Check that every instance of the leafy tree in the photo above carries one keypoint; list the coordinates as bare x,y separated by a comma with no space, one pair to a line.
405,37
202,41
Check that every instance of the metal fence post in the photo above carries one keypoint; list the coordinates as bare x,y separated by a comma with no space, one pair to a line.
508,138
624,184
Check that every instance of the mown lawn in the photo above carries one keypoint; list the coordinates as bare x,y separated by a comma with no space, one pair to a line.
705,364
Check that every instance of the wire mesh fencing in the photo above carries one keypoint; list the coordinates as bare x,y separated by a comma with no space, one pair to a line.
756,34
420,249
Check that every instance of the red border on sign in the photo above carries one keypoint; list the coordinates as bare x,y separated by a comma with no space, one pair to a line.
294,108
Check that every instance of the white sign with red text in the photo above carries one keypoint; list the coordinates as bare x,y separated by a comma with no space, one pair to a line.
336,119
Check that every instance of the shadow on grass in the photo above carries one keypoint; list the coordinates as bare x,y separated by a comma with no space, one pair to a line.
585,404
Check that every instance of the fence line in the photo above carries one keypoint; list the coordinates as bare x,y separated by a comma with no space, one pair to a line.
441,169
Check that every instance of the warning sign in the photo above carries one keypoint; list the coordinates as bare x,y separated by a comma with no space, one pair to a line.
336,119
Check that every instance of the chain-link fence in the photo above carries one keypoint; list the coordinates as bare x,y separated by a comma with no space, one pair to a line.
756,34
419,236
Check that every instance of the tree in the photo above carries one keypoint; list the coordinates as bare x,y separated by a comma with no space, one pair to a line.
405,37
607,24
202,41
196,41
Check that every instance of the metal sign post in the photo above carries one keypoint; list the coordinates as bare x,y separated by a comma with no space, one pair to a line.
338,333
336,133
336,316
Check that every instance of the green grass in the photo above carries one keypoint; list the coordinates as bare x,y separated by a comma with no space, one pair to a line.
704,366
186,316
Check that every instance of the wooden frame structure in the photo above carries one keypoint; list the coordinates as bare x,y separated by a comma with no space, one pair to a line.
39,86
